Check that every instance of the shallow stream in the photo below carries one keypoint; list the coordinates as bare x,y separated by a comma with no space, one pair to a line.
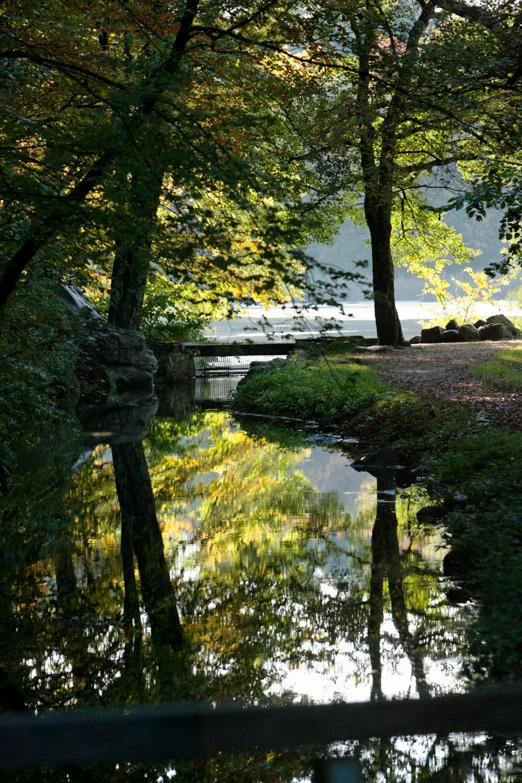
220,560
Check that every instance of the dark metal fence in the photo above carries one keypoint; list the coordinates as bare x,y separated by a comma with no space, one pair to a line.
171,731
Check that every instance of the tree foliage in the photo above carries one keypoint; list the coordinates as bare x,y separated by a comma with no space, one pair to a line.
137,134
210,140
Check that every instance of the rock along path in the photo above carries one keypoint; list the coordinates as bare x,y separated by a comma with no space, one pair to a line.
443,371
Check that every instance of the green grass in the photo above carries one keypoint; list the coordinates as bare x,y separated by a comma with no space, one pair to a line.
504,369
323,390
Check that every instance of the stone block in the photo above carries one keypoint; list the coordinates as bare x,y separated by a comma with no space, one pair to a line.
495,331
432,335
468,333
450,336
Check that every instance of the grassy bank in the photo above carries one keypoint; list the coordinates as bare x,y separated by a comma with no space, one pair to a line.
459,454
320,390
504,369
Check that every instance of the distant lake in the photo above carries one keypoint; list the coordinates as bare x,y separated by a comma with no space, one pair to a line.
358,318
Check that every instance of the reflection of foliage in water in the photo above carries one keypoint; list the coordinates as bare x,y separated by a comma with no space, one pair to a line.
269,575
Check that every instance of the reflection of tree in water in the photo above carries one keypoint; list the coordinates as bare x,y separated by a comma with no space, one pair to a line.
248,547
140,533
386,564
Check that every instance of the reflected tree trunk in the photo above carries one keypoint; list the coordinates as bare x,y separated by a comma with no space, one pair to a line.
386,563
138,514
10,697
64,569
399,611
376,603
131,608
131,604
71,604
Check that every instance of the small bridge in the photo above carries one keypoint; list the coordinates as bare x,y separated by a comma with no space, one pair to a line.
243,347
234,358
182,361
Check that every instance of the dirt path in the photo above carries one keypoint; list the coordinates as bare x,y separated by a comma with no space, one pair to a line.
443,371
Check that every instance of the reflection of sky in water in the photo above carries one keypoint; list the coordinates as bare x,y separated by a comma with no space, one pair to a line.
244,631
342,681
330,471
347,674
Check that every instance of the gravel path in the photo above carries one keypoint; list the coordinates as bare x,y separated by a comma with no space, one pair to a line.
443,371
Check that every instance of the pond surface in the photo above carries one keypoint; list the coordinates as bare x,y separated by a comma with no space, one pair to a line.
220,560
349,318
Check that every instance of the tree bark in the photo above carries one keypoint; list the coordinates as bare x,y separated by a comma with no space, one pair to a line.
131,607
398,606
386,564
389,330
133,675
378,168
133,255
376,604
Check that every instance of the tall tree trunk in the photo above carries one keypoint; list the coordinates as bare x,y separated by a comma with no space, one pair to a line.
133,674
133,254
389,330
378,170
137,507
131,606
386,563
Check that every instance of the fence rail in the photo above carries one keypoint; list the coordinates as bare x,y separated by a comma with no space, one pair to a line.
207,366
173,731
255,348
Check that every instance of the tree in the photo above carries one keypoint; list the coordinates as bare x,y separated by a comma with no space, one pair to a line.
187,144
392,115
189,116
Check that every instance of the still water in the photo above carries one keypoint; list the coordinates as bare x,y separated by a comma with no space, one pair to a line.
222,560
349,318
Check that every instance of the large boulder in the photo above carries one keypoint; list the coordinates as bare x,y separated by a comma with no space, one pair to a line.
450,336
453,324
479,323
501,319
114,362
495,331
116,423
122,349
387,458
260,367
125,357
432,335
76,302
459,595
457,562
468,333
